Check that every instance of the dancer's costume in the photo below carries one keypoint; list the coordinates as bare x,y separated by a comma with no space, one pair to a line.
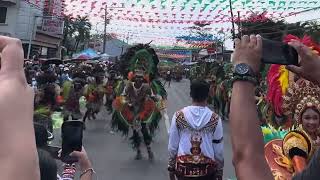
99,90
72,91
45,99
218,76
140,98
110,93
288,151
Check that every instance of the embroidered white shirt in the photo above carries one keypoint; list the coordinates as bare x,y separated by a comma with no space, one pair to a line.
197,117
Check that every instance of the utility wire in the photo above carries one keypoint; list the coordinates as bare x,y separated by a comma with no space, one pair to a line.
281,18
266,28
289,30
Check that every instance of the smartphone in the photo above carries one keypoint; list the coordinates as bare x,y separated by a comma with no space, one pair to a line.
54,151
274,52
72,133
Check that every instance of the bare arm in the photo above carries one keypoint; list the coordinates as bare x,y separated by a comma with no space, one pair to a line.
218,147
174,139
246,136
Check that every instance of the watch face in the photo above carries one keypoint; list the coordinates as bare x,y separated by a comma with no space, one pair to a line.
241,69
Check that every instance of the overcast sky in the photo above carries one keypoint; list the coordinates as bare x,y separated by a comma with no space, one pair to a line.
193,10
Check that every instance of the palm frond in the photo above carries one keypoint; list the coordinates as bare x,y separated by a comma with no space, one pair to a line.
118,123
158,88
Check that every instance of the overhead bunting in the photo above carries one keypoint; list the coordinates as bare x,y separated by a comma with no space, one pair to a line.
171,18
176,54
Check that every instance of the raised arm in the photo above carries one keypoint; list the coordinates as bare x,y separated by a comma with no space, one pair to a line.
173,146
174,139
246,136
18,154
218,147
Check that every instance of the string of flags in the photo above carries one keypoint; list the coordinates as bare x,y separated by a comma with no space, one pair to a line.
172,18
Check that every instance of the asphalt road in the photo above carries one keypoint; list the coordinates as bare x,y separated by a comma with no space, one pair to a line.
113,158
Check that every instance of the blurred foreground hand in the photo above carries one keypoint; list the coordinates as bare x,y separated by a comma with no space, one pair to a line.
18,155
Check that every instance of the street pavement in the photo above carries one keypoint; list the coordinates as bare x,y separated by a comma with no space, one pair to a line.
113,157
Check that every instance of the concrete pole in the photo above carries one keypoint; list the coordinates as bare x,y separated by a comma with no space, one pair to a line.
105,29
31,36
232,21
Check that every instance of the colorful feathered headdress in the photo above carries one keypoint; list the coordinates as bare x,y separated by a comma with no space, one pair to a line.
139,58
278,78
278,83
302,95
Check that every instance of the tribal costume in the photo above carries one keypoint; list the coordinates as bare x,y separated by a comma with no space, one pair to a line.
45,99
109,92
218,76
72,91
93,92
140,98
288,151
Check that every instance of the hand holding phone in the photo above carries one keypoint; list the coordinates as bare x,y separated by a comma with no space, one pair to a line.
274,52
83,159
72,133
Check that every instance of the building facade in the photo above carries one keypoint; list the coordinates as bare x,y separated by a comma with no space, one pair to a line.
35,22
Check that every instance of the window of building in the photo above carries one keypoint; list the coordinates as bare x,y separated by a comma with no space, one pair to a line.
3,15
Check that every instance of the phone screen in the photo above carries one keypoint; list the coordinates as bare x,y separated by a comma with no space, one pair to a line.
72,132
274,52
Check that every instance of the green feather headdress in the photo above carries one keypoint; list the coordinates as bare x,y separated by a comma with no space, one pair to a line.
270,133
141,57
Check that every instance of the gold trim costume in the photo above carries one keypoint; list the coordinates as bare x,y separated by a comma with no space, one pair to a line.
289,151
196,164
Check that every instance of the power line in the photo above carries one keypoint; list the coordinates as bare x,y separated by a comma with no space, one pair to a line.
289,30
266,28
307,10
281,18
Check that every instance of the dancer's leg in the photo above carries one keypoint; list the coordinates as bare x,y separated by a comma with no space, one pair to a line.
86,114
136,141
147,140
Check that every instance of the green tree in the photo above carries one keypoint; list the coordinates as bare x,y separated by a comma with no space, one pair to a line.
83,27
313,29
68,33
276,29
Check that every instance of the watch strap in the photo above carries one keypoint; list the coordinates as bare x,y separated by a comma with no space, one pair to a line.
245,78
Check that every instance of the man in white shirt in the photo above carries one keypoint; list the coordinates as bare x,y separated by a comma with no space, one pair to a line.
196,139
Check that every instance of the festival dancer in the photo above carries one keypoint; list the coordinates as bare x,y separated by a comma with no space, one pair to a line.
296,102
140,98
45,98
72,91
289,151
110,94
89,93
94,92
